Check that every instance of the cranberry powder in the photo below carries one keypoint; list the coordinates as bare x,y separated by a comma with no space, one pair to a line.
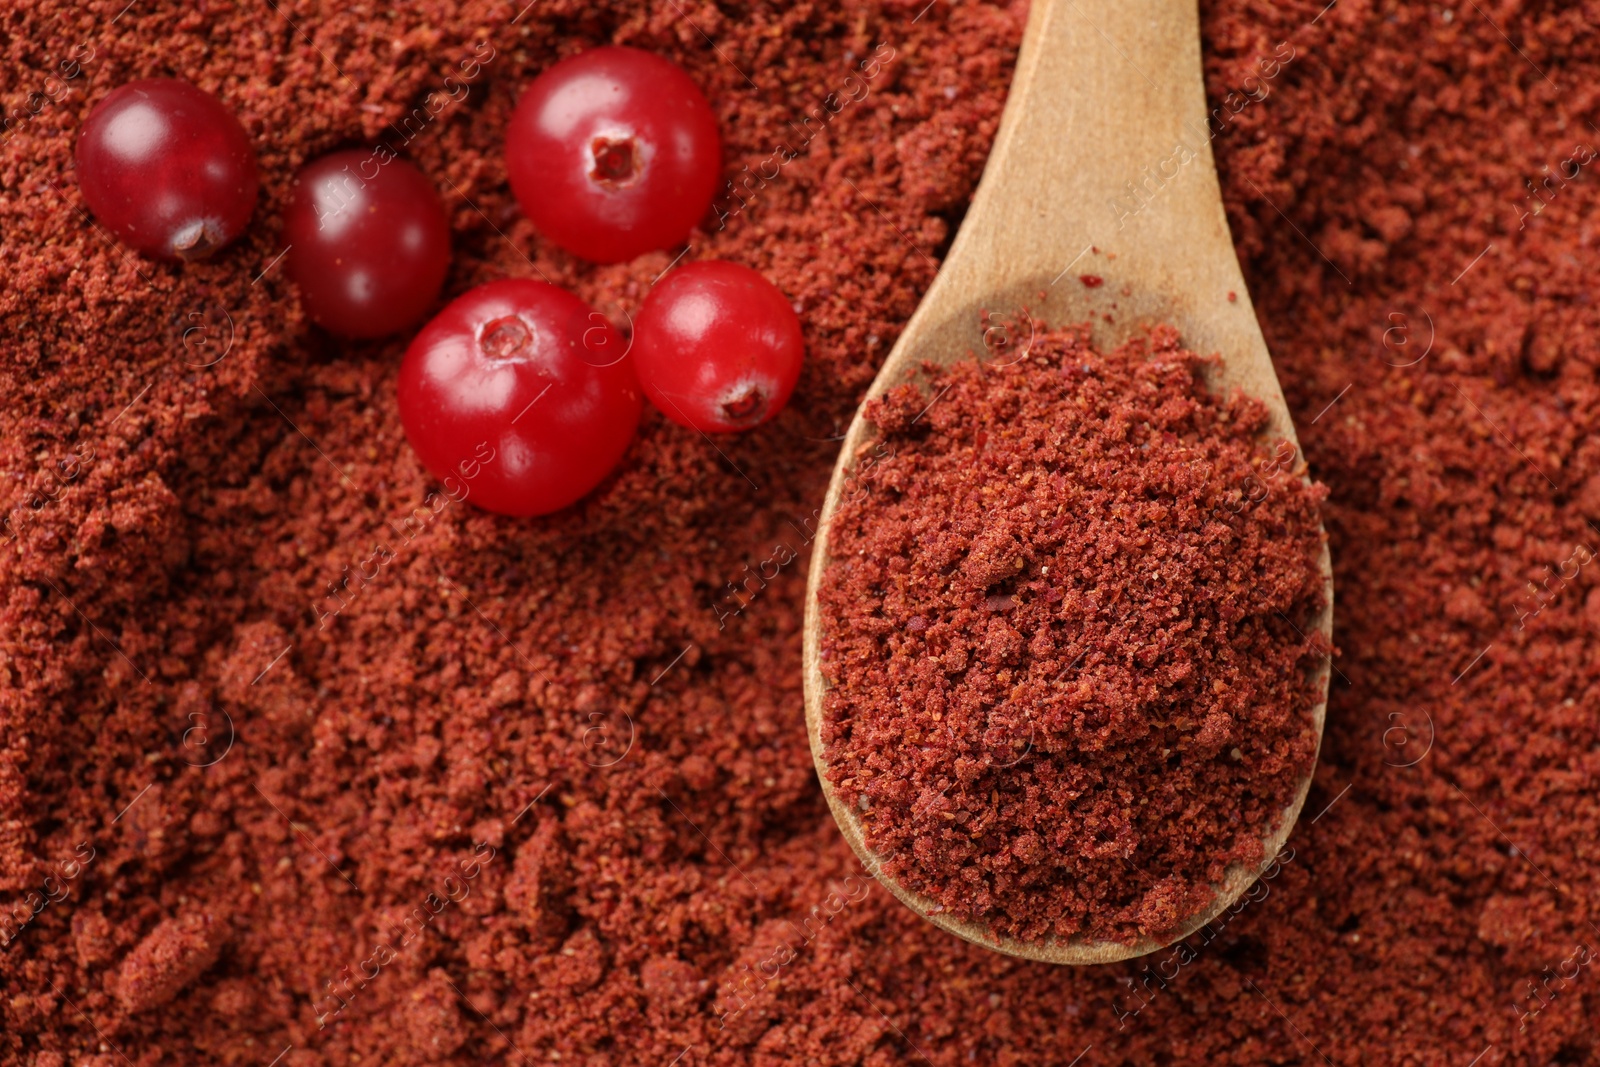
1065,627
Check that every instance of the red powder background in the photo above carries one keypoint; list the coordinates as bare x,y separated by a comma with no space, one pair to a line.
692,902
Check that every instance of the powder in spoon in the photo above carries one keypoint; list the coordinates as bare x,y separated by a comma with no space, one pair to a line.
1068,634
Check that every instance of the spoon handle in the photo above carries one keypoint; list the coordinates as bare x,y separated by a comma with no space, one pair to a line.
1104,150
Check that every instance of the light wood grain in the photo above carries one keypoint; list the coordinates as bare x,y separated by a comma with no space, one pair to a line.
1106,92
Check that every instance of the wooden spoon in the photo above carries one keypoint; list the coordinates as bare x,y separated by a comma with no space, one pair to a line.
1106,93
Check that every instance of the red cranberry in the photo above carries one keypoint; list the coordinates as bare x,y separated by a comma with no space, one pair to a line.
511,396
167,168
614,152
368,240
717,347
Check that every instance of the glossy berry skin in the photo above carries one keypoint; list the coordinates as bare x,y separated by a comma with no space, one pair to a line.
525,372
368,241
167,168
717,347
614,152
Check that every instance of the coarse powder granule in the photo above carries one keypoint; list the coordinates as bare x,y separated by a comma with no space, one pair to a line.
1064,630
174,519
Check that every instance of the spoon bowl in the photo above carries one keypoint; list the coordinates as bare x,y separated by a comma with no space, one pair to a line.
1100,190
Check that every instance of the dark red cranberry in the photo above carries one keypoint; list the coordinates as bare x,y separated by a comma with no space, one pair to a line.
167,168
369,244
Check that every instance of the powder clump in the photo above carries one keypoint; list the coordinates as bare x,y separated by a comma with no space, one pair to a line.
170,957
1066,596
